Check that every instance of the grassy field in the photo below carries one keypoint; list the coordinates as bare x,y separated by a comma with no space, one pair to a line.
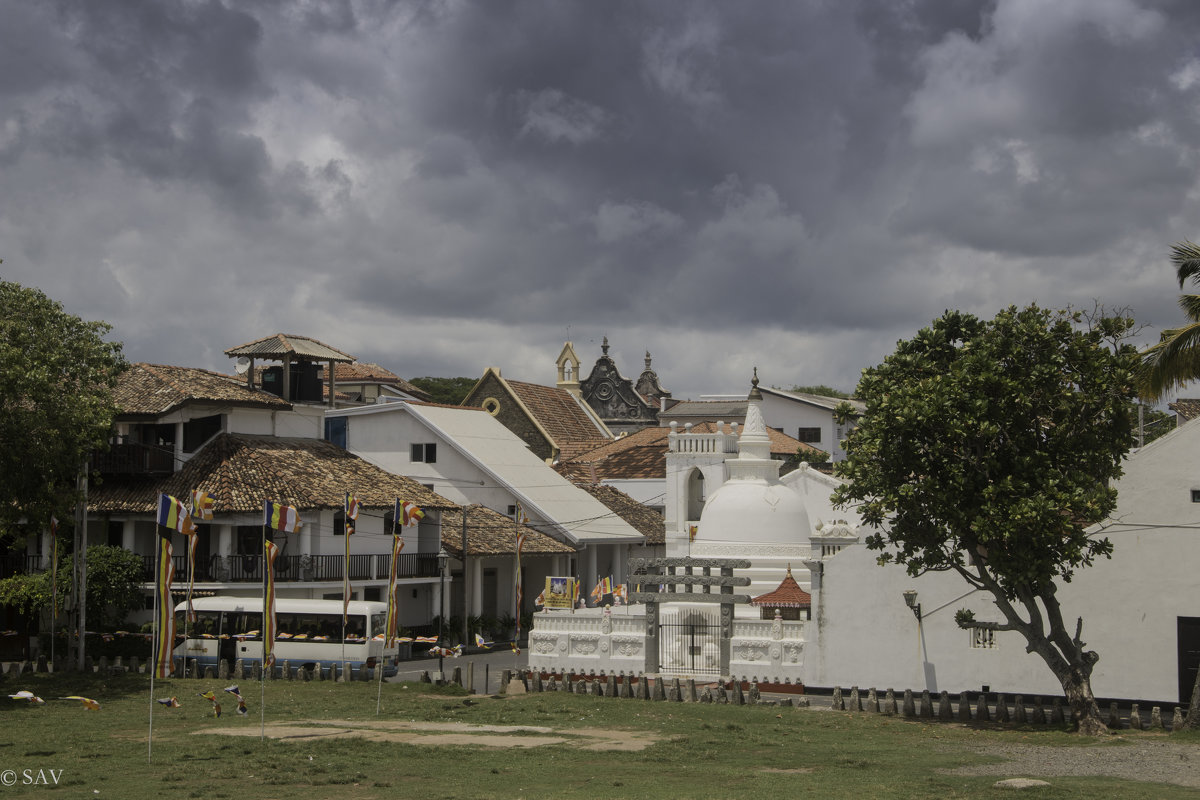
567,749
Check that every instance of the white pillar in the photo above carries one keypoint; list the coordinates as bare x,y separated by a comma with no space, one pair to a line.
476,592
224,542
590,575
128,536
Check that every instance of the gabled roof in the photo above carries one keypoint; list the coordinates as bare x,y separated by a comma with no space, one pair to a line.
707,409
501,454
822,401
365,372
788,595
490,533
240,471
150,390
288,344
646,521
643,455
559,412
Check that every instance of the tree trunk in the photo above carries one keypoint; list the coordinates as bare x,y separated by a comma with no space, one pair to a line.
1085,712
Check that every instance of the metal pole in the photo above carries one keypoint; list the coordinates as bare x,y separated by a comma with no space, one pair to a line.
441,619
466,581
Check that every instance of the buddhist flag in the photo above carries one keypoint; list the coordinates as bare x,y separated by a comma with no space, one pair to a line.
518,590
620,594
408,513
192,541
269,606
392,624
351,509
281,517
202,505
165,623
172,513
574,593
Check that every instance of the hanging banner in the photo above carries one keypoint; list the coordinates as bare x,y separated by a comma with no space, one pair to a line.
391,628
165,627
559,593
269,605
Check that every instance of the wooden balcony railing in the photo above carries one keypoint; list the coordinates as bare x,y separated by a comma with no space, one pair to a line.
134,459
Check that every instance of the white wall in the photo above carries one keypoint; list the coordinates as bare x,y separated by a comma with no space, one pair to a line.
791,415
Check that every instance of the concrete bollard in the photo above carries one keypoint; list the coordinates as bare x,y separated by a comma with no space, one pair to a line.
42,664
623,688
1039,711
611,688
345,673
735,695
595,687
675,692
706,696
1057,717
256,671
1114,717
755,697
287,669
425,676
872,701
981,709
659,689
1155,719
945,712
134,666
889,703
1177,720
193,668
910,708
1135,718
1002,709
239,670
837,703
690,691
319,671
89,666
1019,715
458,676
210,672
964,707
855,702
303,674
926,705
721,696
223,669
536,681
103,666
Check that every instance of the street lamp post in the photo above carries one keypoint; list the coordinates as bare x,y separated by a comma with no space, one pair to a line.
442,558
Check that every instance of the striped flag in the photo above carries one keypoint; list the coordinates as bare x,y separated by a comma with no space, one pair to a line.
193,540
520,545
392,625
574,593
351,509
202,505
408,513
172,513
281,517
165,623
269,605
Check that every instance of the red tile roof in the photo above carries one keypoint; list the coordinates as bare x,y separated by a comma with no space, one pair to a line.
645,521
150,390
558,411
788,595
365,372
491,533
643,454
240,471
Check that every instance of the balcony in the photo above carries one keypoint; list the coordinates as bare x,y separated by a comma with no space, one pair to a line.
134,459
289,569
22,564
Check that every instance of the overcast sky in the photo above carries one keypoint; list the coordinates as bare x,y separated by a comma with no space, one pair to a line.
444,186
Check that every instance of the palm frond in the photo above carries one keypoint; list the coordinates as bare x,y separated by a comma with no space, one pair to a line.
1185,256
1171,363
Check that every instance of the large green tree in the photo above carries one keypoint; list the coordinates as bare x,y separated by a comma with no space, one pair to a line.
450,391
114,586
987,448
1175,360
56,378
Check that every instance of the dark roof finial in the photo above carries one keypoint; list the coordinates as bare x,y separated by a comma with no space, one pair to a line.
604,347
755,394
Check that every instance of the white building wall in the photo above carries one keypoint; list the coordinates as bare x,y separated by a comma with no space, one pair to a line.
791,415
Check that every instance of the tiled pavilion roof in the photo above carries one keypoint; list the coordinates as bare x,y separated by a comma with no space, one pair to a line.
240,471
150,390
490,533
788,595
278,346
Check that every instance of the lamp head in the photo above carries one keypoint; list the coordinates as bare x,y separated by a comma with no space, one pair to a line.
910,598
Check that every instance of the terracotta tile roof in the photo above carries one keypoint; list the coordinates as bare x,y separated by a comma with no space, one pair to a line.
708,409
150,390
1188,408
366,372
788,595
490,533
645,521
643,454
557,411
289,344
572,450
240,471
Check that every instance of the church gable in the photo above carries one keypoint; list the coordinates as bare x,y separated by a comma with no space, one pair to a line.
494,395
613,397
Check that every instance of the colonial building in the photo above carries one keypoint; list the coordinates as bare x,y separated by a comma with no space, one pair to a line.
625,406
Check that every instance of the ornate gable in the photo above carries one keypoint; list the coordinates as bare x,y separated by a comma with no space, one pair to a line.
613,397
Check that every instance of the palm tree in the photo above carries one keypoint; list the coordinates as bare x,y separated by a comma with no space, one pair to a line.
1175,360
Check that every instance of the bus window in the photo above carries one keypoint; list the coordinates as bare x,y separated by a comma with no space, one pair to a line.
378,624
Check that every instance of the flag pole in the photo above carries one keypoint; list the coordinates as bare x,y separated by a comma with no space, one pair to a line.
262,630
153,647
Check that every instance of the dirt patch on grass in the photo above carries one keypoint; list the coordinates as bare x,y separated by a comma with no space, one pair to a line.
449,733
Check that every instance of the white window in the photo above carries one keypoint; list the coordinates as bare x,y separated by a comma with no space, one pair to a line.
982,638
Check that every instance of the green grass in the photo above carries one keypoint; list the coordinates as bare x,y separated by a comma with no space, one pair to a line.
700,750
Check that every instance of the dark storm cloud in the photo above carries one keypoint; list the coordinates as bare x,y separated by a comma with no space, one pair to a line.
440,186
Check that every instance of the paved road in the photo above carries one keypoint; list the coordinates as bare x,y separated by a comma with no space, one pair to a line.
488,667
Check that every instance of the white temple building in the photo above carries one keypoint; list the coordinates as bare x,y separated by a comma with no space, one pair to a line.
726,503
